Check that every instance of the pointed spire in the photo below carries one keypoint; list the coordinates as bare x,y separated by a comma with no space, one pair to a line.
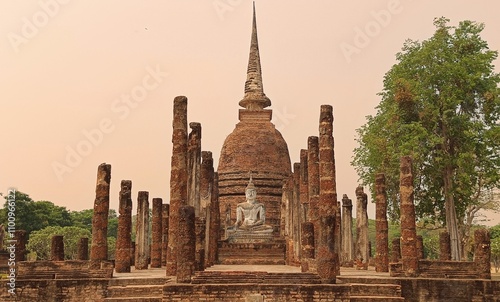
255,98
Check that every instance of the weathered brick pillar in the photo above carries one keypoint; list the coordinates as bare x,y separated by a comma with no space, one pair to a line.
307,242
328,265
313,181
297,210
482,253
381,225
206,187
132,253
287,200
304,185
142,231
20,244
444,246
178,179
362,253
409,255
57,248
186,244
420,247
124,234
99,248
156,233
347,238
164,232
200,226
83,249
215,226
338,230
194,166
396,250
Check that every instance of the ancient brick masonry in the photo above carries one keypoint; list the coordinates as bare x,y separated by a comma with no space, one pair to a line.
124,235
444,246
482,253
20,236
396,250
328,265
99,249
296,213
186,244
164,226
194,166
178,179
57,248
156,233
206,187
408,229
142,246
307,243
347,238
304,185
362,249
381,225
83,249
214,222
313,182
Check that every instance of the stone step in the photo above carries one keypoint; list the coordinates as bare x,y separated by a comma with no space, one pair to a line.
374,299
215,277
143,290
365,280
376,290
137,281
134,299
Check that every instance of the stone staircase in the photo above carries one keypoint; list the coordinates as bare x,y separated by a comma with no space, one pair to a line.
372,289
235,277
252,253
135,290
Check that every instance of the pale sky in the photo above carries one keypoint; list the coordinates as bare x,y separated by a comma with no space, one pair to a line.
69,67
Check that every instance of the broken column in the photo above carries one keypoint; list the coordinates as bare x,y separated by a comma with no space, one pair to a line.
20,245
362,251
409,256
57,248
164,231
99,248
444,246
381,225
194,166
83,249
328,265
482,253
186,244
142,247
347,238
396,250
307,243
156,233
178,179
124,234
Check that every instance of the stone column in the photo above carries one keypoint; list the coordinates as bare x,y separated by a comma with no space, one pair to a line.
99,249
444,246
206,187
186,244
304,185
420,247
338,231
396,250
83,249
200,226
307,242
215,226
132,253
142,231
124,234
381,225
20,244
347,238
408,229
362,253
178,179
287,200
194,166
482,253
313,177
296,209
326,257
164,232
57,248
156,233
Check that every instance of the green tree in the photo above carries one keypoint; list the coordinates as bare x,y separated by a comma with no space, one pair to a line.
440,104
40,241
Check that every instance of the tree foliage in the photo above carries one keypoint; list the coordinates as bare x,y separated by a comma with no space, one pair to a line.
440,104
40,241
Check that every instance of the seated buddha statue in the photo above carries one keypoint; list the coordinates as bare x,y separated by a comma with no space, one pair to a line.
251,214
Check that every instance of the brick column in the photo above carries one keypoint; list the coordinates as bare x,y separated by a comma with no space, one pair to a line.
408,229
304,185
347,238
420,247
20,236
482,253
57,248
313,182
296,210
307,243
200,226
194,166
215,227
99,249
206,187
164,231
381,225
156,233
142,231
178,179
362,252
444,246
186,244
83,249
124,234
328,265
396,250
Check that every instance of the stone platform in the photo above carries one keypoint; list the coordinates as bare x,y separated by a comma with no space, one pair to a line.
241,253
